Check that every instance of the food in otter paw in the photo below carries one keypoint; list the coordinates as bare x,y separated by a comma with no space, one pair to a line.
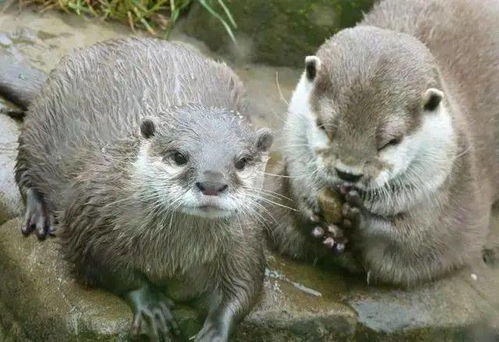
330,204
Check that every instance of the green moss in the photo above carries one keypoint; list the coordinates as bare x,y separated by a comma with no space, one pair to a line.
278,32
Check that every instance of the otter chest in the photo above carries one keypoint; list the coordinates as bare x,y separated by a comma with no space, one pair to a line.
178,253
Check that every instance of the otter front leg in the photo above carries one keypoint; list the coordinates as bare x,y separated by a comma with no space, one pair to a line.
239,289
37,216
218,326
152,316
221,320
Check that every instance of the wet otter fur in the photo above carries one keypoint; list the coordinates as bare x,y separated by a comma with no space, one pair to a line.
400,114
142,151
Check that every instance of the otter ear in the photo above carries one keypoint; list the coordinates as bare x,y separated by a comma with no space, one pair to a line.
264,139
312,67
432,98
147,128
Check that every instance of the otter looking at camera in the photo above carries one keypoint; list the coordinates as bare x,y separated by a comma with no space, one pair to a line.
142,151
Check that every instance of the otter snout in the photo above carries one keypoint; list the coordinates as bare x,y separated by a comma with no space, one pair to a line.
212,183
211,188
347,176
351,172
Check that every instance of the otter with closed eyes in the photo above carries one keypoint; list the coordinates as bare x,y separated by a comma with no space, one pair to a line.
141,151
400,114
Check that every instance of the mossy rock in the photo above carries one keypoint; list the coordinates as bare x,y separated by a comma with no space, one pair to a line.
279,32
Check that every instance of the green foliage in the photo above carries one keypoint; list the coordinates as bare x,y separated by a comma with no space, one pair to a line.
156,16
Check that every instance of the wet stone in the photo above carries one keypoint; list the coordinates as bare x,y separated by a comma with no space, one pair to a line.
24,35
35,281
10,199
5,40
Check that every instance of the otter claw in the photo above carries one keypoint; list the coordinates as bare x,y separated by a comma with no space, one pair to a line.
334,230
340,248
351,210
314,218
318,232
152,319
329,242
37,218
337,245
170,319
157,324
332,237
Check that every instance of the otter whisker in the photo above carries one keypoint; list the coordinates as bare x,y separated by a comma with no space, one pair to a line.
271,202
263,192
262,208
276,175
269,193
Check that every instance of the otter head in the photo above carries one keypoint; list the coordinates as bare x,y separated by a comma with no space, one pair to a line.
379,114
205,162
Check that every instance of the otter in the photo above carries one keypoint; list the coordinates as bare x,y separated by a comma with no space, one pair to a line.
19,83
140,154
400,115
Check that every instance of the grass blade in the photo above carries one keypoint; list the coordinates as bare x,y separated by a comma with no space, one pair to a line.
227,13
219,17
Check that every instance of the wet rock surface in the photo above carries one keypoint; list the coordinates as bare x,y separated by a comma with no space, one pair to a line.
45,301
279,32
49,305
10,199
300,303
39,301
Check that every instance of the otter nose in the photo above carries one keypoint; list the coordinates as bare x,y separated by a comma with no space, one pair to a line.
348,177
211,188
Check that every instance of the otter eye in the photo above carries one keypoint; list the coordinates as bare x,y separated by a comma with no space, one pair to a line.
392,142
179,158
241,163
320,124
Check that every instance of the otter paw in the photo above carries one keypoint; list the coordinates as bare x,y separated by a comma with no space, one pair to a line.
211,333
332,237
309,209
37,217
154,323
351,210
